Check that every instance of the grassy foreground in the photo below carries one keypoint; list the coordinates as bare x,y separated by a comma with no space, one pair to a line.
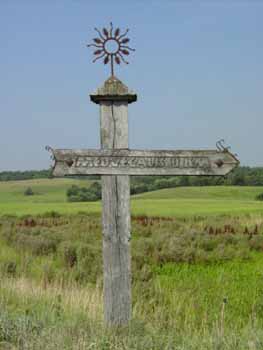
197,262
197,284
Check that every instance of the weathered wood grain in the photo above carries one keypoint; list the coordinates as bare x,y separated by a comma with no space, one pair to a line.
138,162
116,219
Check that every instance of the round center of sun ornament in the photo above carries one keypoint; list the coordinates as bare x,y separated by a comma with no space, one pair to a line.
111,46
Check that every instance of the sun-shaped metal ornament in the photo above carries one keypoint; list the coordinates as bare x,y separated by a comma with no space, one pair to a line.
111,46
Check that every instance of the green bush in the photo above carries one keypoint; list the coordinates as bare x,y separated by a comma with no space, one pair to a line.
163,183
259,197
29,192
138,188
83,194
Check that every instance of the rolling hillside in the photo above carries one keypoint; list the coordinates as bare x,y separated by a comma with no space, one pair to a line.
50,195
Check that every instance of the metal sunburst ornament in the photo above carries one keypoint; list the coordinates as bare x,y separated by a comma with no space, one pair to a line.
111,46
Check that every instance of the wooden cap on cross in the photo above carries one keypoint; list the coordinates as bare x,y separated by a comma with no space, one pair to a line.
113,90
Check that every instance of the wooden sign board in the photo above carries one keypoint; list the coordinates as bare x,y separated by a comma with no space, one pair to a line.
137,162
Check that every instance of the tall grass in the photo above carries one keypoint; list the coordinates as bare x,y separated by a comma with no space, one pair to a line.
197,284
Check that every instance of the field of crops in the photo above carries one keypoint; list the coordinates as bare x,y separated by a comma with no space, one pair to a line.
197,257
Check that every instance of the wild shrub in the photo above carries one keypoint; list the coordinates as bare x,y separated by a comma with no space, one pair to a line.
200,256
68,252
43,246
16,329
9,268
189,247
51,214
40,240
163,183
138,188
142,252
232,239
89,266
48,274
208,244
169,249
139,259
83,194
8,233
38,245
256,243
28,191
224,252
259,197
146,273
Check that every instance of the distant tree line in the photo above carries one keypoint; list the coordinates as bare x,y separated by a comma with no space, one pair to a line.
30,175
242,176
24,175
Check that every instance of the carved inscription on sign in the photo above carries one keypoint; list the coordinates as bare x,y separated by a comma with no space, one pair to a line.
141,162
133,162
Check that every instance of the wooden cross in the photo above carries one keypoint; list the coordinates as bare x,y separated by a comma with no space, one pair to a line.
116,162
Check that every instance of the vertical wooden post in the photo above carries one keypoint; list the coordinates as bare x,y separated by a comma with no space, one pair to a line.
113,98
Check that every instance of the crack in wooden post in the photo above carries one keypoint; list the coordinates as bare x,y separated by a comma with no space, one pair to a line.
116,205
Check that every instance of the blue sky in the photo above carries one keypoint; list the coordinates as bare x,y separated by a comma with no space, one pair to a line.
197,70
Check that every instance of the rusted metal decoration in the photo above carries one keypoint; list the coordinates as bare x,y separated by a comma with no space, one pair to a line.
111,46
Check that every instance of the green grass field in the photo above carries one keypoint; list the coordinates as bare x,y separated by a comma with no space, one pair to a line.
50,195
